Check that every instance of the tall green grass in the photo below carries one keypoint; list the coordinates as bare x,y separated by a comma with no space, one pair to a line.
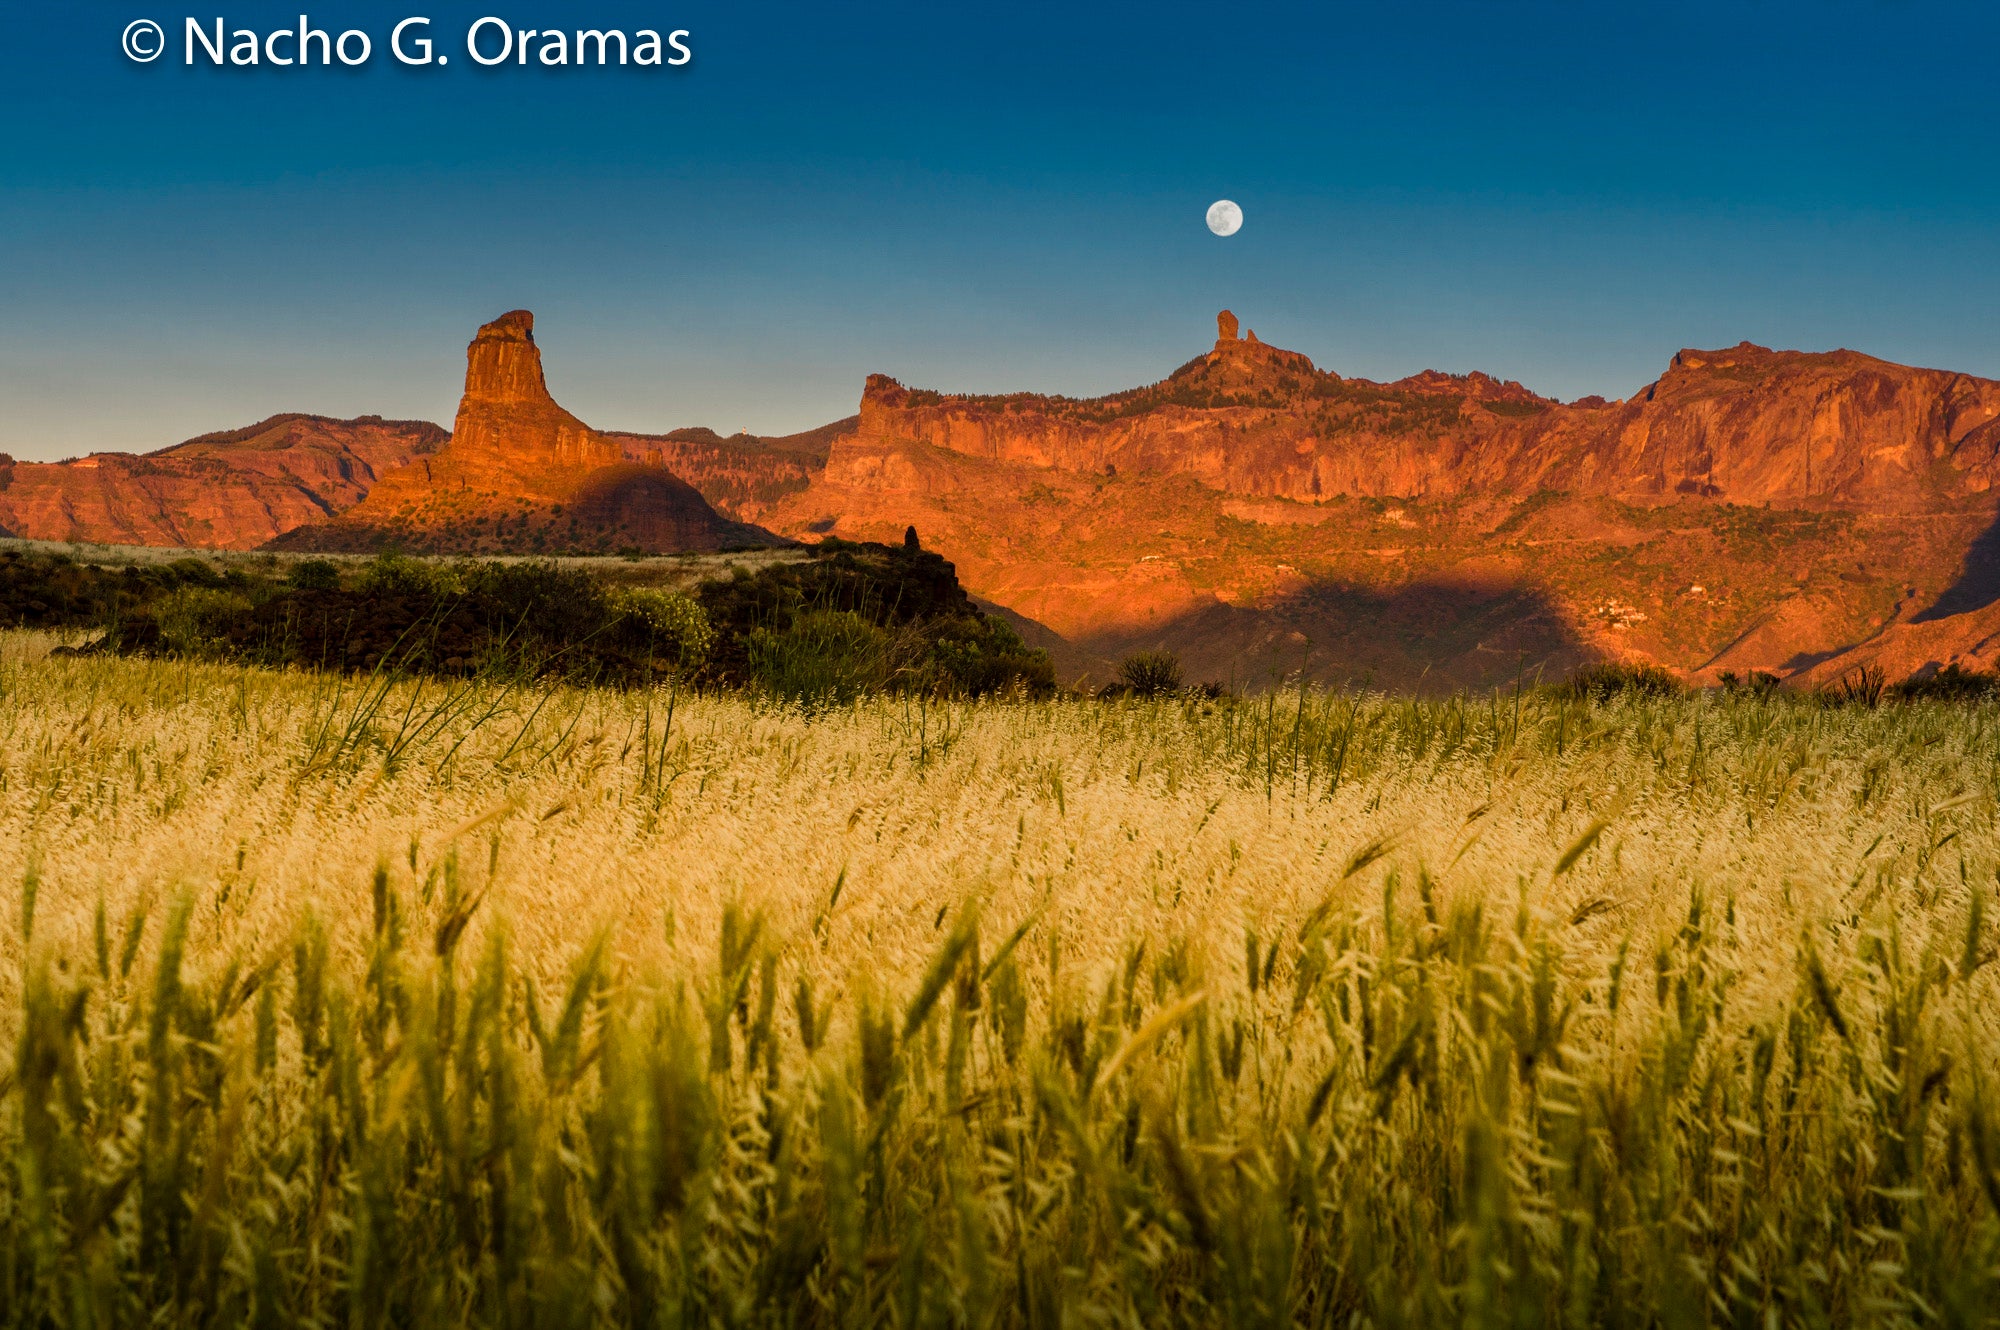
1524,1009
1436,1110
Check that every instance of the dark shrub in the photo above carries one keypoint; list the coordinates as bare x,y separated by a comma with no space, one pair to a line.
824,658
314,575
1601,683
1862,686
195,572
850,620
400,575
540,597
197,621
1150,673
55,591
936,638
1953,683
974,656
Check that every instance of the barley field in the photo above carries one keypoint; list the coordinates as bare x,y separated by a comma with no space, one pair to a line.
365,1001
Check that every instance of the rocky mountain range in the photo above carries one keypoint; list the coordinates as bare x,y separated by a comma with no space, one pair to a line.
1749,510
1800,513
1743,426
231,490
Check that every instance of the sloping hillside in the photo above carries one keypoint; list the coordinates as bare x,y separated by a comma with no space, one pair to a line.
230,490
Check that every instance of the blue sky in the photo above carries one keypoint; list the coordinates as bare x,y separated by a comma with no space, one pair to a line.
979,197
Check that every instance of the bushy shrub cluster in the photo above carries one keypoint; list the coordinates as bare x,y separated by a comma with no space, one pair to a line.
858,618
195,620
849,620
827,656
1758,682
56,591
395,574
678,624
314,575
1602,683
1953,683
1150,673
395,612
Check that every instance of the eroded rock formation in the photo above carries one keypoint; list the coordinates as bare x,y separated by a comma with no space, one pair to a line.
521,474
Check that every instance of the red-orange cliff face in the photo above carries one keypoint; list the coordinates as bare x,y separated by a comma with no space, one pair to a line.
1744,425
1751,509
522,474
231,490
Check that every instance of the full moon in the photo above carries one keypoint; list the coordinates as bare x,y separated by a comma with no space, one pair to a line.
1224,217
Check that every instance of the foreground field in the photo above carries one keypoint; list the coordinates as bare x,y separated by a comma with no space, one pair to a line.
376,1003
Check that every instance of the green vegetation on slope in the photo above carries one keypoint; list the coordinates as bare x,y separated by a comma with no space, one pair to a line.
842,620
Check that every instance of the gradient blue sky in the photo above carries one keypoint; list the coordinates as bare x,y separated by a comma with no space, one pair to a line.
979,197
